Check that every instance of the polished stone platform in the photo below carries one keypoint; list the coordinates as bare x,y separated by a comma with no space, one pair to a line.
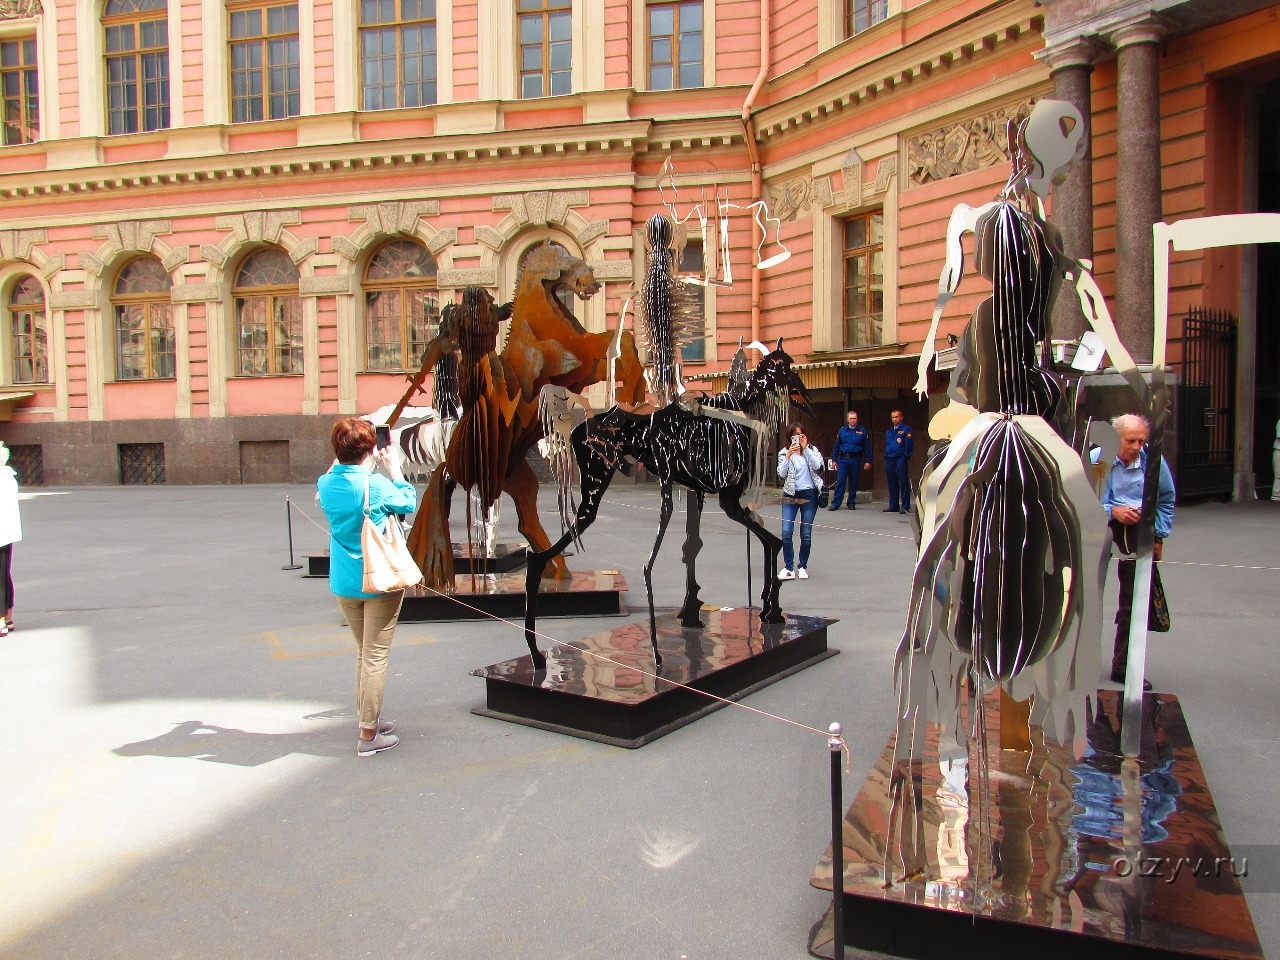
596,593
507,557
1098,857
620,700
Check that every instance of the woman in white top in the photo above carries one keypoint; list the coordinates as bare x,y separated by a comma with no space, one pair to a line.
10,533
800,470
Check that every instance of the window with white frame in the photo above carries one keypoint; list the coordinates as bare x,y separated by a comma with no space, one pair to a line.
265,80
137,62
545,41
397,53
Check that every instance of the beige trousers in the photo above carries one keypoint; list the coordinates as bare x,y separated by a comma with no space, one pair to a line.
372,622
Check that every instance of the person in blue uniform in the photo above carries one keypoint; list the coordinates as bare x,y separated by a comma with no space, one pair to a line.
897,452
852,455
1122,500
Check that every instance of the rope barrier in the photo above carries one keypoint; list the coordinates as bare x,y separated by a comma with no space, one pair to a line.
769,516
324,530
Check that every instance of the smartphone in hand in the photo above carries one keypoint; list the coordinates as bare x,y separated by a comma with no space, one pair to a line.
383,432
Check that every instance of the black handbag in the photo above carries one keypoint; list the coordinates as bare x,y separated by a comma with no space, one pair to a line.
824,497
1158,619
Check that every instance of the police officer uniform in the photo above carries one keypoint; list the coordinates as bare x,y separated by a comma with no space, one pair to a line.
898,446
852,451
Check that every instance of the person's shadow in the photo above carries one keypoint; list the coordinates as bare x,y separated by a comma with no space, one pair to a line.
198,740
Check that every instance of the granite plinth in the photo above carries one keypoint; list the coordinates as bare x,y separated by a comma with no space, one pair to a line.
506,557
1098,857
625,700
476,596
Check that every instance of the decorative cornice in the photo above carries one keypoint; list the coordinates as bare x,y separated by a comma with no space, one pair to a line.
1077,52
19,9
959,147
1145,28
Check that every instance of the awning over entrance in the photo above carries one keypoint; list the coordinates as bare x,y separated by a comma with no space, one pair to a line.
895,371
9,399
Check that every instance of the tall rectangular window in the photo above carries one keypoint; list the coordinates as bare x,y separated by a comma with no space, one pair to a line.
860,14
864,280
264,63
545,29
137,44
18,84
675,45
691,263
397,53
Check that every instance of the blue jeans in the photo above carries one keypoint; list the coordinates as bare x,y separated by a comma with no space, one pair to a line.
899,485
847,472
808,509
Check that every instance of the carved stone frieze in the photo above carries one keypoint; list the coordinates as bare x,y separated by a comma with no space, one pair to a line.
326,286
17,244
886,170
541,207
824,194
963,147
467,278
790,197
394,216
258,226
18,9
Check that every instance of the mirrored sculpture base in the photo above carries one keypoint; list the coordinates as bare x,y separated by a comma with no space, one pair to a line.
506,557
595,593
612,701
1049,856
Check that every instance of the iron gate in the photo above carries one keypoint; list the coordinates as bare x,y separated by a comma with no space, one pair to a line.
1206,405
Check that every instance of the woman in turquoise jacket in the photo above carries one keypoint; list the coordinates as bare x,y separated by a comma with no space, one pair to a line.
371,616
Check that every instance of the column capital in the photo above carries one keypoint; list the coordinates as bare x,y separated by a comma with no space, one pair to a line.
1146,28
1075,52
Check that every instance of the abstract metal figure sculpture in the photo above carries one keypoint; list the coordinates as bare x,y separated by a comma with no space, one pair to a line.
716,445
498,391
1013,548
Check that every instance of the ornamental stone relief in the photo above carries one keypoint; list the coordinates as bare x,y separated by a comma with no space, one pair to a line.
18,9
789,198
963,147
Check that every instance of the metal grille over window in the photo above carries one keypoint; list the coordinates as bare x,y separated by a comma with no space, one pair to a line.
265,82
27,460
860,14
141,463
675,45
864,280
144,321
402,312
137,45
28,332
546,48
19,86
268,315
397,53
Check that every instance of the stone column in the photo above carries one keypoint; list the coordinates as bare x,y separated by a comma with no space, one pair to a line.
1138,196
1070,64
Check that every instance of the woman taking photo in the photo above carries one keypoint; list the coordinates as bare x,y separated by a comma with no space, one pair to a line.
371,616
800,470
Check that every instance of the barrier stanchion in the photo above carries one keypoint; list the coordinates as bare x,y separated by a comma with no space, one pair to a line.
750,595
288,519
836,743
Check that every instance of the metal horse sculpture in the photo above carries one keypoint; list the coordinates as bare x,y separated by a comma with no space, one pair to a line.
546,346
712,446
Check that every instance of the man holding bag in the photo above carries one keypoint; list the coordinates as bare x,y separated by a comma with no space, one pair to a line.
371,616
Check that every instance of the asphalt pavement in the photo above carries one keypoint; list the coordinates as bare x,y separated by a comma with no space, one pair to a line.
180,777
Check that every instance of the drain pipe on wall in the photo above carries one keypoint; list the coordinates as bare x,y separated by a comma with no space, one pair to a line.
757,177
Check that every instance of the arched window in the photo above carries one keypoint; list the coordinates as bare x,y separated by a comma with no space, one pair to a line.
397,53
137,44
28,332
401,309
144,321
268,315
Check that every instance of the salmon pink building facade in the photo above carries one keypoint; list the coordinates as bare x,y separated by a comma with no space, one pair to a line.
224,223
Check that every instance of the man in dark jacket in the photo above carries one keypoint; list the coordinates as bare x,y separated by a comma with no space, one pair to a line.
852,454
897,451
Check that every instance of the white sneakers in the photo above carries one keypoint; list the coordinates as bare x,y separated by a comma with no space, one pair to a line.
800,574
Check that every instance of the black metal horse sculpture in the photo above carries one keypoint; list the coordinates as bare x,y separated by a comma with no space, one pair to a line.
712,446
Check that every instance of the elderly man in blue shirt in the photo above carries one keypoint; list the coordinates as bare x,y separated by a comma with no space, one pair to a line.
1122,499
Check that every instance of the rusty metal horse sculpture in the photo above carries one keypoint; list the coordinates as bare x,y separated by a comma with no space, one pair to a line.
499,392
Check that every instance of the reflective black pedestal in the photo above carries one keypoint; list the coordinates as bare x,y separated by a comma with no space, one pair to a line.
587,594
507,557
614,701
1099,857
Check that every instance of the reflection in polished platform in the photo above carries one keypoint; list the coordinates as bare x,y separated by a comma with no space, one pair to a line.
617,701
506,557
1098,857
595,593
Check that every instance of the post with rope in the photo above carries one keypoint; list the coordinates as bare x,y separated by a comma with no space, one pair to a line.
288,521
836,743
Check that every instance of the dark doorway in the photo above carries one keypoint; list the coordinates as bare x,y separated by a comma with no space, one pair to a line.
1267,357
